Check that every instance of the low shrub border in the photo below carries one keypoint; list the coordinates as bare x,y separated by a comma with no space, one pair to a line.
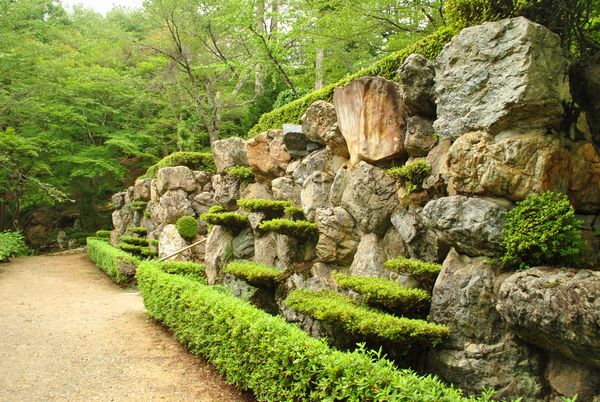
254,273
118,264
301,229
276,360
271,208
104,234
423,271
234,221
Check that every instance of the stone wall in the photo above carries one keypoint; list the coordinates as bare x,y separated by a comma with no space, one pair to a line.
488,115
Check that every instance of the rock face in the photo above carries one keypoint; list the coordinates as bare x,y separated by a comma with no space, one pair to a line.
420,137
514,166
219,249
555,309
371,254
118,200
471,225
500,75
284,188
322,160
229,152
175,178
173,205
370,197
141,189
338,236
416,85
296,142
171,241
372,119
267,155
315,193
480,351
319,123
226,190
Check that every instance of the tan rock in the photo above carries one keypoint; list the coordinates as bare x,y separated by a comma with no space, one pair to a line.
372,119
319,123
267,155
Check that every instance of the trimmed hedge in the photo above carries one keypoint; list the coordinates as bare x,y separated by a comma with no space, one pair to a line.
423,271
380,292
271,208
298,229
254,273
233,220
430,47
334,308
138,230
194,160
103,234
190,270
276,360
294,213
111,260
187,226
134,241
244,173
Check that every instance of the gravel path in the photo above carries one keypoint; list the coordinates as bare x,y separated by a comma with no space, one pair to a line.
67,333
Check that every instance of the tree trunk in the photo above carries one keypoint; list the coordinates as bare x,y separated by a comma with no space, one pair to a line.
319,70
259,9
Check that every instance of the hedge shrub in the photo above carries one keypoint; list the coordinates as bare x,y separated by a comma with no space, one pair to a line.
232,220
276,360
137,205
12,244
118,264
187,226
103,234
423,271
294,213
134,241
186,269
541,230
380,292
334,308
271,208
304,230
194,160
138,230
411,175
430,47
254,273
244,173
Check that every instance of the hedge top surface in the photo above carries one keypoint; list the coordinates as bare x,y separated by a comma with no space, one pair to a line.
266,206
423,271
187,226
299,229
253,272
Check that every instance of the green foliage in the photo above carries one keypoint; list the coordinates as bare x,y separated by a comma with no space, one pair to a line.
190,270
148,252
423,271
411,175
244,173
380,292
254,273
187,226
335,308
137,205
294,213
134,249
12,244
387,67
234,221
104,234
271,208
138,230
193,160
111,260
276,360
136,241
299,229
541,230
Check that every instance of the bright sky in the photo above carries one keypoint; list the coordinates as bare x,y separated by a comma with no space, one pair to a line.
103,6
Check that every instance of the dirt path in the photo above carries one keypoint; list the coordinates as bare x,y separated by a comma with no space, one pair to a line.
68,333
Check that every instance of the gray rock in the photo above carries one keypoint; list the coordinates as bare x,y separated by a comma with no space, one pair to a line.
171,241
510,74
569,378
338,236
227,190
319,123
296,142
175,178
315,193
243,244
471,225
255,218
202,202
219,250
420,137
257,190
340,181
154,195
129,194
370,197
203,180
556,309
141,189
416,85
265,249
229,152
173,205
118,200
284,188
370,256
322,160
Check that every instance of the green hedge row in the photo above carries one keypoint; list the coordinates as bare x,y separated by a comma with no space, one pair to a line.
253,272
423,271
217,215
271,208
117,264
430,47
299,229
276,360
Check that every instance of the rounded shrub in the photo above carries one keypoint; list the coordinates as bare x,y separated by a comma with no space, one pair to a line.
541,230
187,226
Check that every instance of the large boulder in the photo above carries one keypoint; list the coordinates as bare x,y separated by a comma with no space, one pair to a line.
338,236
370,197
267,155
227,190
173,205
471,225
229,152
202,202
556,309
219,250
340,181
296,142
170,241
284,188
372,119
175,178
416,76
510,74
118,200
420,137
322,160
569,378
315,193
319,123
513,166
371,254
141,189
258,190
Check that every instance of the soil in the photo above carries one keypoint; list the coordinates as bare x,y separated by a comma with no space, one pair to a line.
67,333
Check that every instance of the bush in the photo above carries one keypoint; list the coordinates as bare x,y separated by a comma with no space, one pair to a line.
194,160
244,173
271,208
186,269
299,229
187,226
541,230
137,206
118,264
234,221
12,244
380,292
334,308
138,230
423,271
254,273
387,67
148,252
103,234
411,175
131,248
135,241
276,360
294,213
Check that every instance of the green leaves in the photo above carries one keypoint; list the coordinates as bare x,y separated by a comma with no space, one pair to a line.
254,273
411,175
423,271
187,226
299,229
12,244
112,260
